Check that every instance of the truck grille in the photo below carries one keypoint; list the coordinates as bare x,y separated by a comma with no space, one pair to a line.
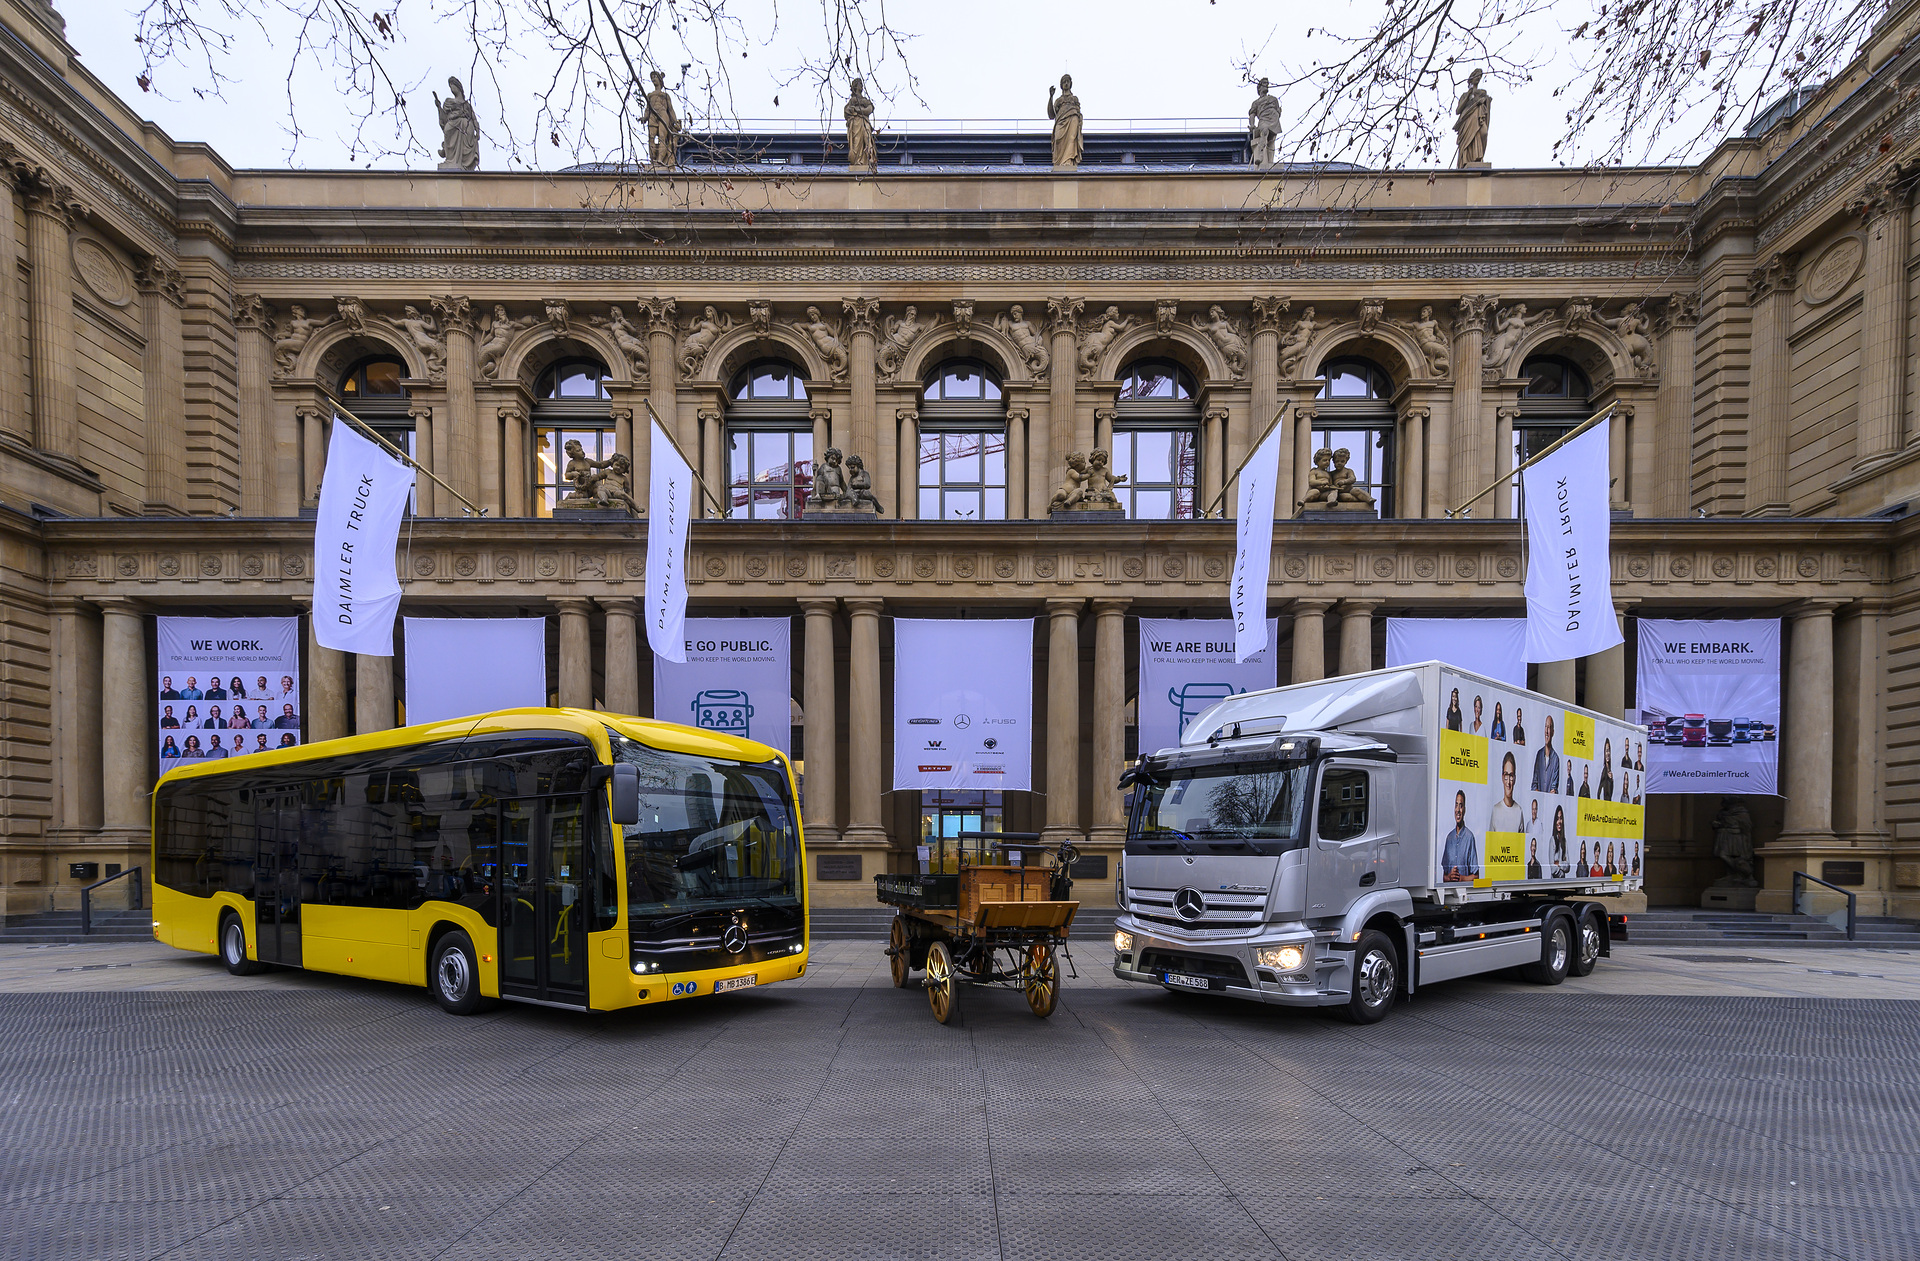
1223,910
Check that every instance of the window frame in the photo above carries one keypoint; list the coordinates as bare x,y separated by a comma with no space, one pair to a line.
750,418
942,419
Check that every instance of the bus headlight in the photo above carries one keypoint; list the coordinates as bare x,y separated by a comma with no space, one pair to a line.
1122,942
1281,958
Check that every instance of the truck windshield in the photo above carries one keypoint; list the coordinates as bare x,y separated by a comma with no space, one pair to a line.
1230,808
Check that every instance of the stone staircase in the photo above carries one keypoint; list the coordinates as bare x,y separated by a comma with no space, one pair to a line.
60,928
864,923
1679,926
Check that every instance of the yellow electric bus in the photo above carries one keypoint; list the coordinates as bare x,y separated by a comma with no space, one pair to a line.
555,856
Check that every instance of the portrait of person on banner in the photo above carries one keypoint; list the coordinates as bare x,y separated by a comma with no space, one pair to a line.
1546,762
1460,851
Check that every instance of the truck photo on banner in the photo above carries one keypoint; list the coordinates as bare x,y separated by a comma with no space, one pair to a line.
1186,666
226,685
1710,696
738,679
963,704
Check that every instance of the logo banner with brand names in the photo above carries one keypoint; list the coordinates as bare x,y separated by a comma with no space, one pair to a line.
963,704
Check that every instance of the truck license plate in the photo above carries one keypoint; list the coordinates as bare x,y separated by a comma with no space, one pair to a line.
736,983
1188,982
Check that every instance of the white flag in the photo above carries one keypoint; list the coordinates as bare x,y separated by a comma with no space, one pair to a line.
1570,546
1253,547
355,589
670,504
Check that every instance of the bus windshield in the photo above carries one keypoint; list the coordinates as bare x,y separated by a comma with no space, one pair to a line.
1236,807
712,834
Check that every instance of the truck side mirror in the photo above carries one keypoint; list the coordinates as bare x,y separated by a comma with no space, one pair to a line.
626,793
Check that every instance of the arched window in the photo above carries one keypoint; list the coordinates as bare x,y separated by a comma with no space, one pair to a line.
1356,414
373,392
963,444
770,442
569,405
1552,402
1156,440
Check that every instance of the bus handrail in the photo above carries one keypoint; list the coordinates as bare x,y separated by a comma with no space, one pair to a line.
86,897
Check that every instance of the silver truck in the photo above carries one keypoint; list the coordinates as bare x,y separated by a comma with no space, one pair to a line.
1343,843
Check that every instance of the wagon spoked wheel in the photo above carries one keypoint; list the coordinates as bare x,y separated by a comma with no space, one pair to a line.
900,953
1041,979
941,986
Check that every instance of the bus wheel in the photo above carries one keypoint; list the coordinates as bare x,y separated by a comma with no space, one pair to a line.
233,947
1376,979
1556,953
1586,943
454,976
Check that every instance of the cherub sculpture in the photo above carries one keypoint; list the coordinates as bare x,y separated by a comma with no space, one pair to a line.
1073,484
860,485
830,481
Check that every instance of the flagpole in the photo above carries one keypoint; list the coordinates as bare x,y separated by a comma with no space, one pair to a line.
691,466
1562,441
1221,497
373,433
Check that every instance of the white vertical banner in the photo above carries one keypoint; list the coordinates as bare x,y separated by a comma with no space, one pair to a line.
1569,551
1253,547
1186,667
737,678
225,686
670,505
1709,693
1493,646
473,665
963,704
356,591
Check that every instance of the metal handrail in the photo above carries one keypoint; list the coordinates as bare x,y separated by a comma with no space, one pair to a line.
86,897
1799,880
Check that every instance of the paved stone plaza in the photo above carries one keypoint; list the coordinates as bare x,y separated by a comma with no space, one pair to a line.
1664,1108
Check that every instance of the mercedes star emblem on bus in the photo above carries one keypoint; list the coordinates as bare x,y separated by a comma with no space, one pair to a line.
734,938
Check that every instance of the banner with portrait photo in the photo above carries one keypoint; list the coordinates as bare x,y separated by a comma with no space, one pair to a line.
963,704
225,686
737,679
1710,696
1188,666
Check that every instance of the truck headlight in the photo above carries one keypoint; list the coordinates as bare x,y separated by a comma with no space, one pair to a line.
1122,942
1281,958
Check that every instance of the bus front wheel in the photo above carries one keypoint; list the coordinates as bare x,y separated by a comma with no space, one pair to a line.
233,947
454,976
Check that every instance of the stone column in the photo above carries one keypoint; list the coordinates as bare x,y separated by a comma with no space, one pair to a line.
663,376
1881,424
430,449
863,420
1063,328
822,736
372,694
473,457
1296,490
1619,472
163,380
76,714
1470,468
1806,736
126,716
713,461
313,451
1607,672
907,481
576,652
1503,465
1672,438
623,654
822,418
1310,640
1859,673
326,713
516,478
1263,380
52,210
1109,720
1356,635
1770,289
1412,496
14,418
1018,436
1103,427
865,763
1558,680
1213,441
1063,712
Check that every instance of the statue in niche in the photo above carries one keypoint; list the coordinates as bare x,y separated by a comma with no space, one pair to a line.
1096,339
860,487
294,337
1633,329
1225,335
1432,340
1470,117
1263,126
1026,339
1073,484
1733,844
459,130
1294,345
901,332
1101,480
499,334
663,125
859,114
1509,326
830,482
826,339
1068,143
703,331
597,483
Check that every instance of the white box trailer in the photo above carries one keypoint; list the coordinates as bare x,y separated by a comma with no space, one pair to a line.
1348,841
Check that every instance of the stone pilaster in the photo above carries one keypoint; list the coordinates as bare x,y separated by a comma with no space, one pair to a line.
1806,755
1310,640
1469,462
313,421
1019,435
473,454
713,462
623,654
662,387
1063,329
76,715
907,481
163,395
1356,635
52,210
1502,499
126,717
865,439
373,708
822,731
1883,209
15,419
865,764
576,651
430,449
1063,709
1263,377
516,437
1109,720
1411,494
1770,294
1302,461
1213,443
1858,725
1672,440
1103,427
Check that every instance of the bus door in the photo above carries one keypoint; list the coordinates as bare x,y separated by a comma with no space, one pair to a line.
276,877
543,903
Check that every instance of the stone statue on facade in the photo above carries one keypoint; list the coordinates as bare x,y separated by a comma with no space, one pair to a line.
1263,126
1100,334
1293,346
1509,326
632,344
1227,335
1470,118
1073,484
597,484
424,333
860,487
663,125
459,130
1101,480
1332,486
703,331
861,155
1068,141
1348,490
499,335
829,488
826,339
1026,339
1733,844
1634,330
902,331
1432,340
294,336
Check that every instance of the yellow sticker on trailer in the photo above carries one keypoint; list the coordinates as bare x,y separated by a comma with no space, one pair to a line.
1463,757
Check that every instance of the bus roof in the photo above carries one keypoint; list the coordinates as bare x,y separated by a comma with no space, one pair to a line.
590,724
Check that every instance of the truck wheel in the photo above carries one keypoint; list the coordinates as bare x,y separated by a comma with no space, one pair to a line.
454,976
233,947
900,953
1587,940
1556,953
1376,979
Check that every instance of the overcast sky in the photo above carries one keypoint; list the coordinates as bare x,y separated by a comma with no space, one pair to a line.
982,59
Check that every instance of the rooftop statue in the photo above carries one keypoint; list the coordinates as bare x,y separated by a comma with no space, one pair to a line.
1263,126
859,114
1068,144
663,125
459,130
1470,118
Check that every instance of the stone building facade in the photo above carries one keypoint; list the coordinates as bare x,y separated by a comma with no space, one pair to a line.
173,335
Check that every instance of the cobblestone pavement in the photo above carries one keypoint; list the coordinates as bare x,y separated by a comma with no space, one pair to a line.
154,1106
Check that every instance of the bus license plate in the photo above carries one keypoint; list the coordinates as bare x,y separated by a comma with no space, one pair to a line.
1188,982
736,983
